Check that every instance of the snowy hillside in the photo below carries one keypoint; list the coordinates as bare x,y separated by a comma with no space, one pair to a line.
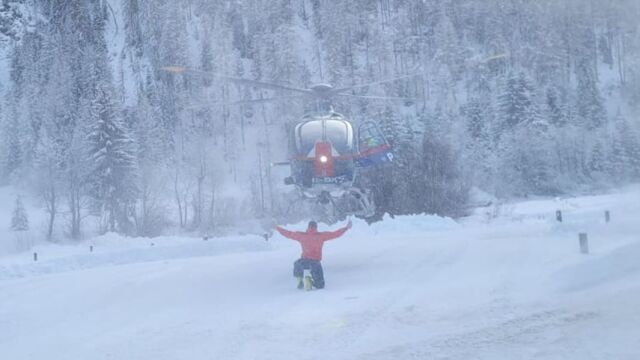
508,282
165,116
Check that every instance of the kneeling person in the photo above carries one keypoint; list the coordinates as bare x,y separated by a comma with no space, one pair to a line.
311,242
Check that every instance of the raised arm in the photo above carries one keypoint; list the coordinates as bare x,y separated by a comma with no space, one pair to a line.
288,234
330,235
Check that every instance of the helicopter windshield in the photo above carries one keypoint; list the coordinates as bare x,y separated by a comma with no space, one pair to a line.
308,134
338,132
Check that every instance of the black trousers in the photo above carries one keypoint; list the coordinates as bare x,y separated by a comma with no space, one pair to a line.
316,271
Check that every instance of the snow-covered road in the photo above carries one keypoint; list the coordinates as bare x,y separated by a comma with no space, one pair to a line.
414,287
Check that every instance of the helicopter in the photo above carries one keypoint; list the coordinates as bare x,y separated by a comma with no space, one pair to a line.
327,150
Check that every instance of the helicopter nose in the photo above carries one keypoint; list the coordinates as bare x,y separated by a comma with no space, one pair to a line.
323,163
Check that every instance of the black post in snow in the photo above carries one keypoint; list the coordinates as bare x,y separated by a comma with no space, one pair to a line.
584,243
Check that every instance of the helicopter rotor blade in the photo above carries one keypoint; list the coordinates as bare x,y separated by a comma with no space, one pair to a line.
249,101
268,85
377,97
359,86
265,100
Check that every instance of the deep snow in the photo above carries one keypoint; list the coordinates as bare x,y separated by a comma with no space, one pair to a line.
506,283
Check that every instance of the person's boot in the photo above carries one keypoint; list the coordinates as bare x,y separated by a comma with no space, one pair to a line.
308,283
300,282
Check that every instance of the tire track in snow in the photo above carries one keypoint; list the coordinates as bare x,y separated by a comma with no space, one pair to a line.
369,322
487,342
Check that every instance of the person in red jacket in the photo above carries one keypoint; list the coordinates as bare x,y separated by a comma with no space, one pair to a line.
311,242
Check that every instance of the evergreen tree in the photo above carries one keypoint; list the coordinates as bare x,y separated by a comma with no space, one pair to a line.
13,20
625,151
516,103
480,149
526,165
12,154
556,108
19,219
444,189
403,171
589,105
537,161
113,177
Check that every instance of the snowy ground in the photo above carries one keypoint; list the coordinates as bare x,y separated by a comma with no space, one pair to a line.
507,283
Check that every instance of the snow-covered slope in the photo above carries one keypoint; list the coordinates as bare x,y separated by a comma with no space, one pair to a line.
508,283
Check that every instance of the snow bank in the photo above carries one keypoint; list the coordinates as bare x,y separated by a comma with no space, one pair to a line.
413,224
112,249
389,225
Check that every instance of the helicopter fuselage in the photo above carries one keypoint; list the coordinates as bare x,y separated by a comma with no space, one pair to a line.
323,149
326,153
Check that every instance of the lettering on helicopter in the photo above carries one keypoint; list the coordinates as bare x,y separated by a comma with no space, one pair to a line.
336,180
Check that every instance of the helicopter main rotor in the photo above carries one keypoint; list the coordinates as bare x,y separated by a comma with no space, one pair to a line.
322,92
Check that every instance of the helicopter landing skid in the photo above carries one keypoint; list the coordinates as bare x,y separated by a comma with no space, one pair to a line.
313,208
329,208
353,202
364,204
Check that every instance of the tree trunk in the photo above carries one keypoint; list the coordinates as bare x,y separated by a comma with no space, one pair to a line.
178,200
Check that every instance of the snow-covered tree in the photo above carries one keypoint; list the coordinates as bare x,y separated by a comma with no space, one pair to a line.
625,161
590,105
524,147
516,103
19,218
480,150
12,154
444,188
14,21
114,172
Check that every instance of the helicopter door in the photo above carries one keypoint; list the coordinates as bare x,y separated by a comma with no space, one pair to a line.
373,148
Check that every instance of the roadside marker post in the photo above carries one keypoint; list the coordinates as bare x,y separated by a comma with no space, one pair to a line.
584,243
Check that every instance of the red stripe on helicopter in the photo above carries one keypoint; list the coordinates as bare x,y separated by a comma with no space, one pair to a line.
366,153
323,162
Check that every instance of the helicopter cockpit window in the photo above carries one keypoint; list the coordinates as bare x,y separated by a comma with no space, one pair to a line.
308,133
338,132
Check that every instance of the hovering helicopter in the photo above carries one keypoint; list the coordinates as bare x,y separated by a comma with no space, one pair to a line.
326,150
326,154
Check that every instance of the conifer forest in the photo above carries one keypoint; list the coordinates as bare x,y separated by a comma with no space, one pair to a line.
506,98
